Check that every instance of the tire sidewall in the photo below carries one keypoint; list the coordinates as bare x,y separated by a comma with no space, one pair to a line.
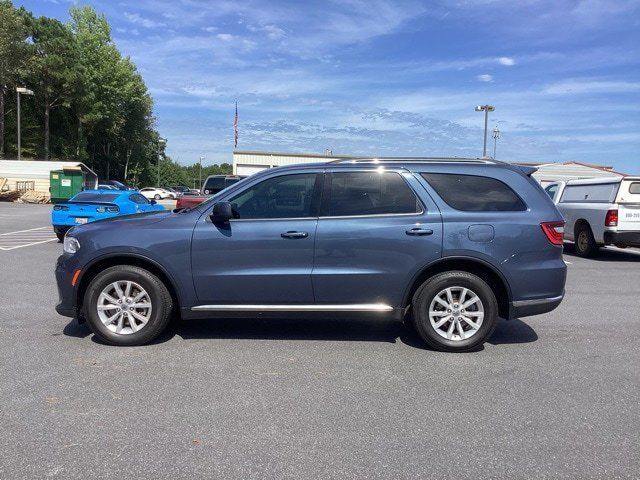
146,280
424,296
590,247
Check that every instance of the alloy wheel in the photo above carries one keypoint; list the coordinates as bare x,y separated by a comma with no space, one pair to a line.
456,313
124,307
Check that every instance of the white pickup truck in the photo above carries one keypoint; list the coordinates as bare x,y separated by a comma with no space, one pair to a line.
598,212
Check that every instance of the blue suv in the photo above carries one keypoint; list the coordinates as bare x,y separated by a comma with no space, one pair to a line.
449,244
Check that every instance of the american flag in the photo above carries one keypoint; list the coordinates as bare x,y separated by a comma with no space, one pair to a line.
235,127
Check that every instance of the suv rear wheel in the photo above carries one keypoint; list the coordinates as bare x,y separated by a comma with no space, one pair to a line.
455,311
585,244
127,305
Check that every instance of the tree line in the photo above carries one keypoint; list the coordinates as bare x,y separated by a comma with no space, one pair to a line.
90,103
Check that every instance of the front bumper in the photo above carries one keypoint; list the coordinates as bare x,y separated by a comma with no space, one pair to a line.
66,291
526,308
630,239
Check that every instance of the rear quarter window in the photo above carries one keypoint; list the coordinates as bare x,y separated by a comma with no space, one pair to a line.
474,193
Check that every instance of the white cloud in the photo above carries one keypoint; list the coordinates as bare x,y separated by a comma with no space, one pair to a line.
210,29
225,37
140,20
485,77
507,61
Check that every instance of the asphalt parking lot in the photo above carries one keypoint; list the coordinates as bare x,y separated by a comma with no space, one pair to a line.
555,395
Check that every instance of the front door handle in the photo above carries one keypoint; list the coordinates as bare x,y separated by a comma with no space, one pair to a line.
293,234
419,231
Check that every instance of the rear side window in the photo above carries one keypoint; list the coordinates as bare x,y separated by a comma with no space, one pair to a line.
214,185
600,193
95,197
139,199
634,188
369,193
472,193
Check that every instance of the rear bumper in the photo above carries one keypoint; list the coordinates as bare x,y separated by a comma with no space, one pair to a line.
632,239
526,308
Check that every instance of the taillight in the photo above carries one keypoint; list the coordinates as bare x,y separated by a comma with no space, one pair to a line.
554,232
611,220
60,207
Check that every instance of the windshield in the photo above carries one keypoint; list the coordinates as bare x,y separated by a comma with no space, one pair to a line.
87,197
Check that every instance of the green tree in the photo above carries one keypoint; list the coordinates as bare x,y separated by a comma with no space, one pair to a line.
13,33
53,68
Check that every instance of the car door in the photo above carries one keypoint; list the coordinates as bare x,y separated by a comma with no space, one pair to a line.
264,255
374,234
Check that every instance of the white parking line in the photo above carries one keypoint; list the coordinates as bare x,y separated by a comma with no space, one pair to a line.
26,238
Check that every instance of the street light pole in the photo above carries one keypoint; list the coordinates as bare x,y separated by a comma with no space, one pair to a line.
486,109
161,143
201,159
24,91
496,136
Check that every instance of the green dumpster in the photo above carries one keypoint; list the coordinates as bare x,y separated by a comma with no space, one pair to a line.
64,184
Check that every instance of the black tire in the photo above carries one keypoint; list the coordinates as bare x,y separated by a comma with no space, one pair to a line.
427,292
60,236
161,305
157,197
585,244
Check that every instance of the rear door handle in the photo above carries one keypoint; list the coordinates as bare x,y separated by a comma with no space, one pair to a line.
293,234
419,231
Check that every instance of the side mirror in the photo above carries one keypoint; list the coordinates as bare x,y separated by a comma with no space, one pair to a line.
152,202
221,213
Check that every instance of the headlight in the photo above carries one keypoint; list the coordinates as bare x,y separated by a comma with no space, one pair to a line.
70,245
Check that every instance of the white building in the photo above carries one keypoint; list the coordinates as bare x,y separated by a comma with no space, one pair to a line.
250,162
35,174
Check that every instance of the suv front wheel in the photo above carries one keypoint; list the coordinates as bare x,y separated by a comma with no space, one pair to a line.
455,311
127,305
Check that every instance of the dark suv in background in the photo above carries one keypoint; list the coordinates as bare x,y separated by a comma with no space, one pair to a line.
451,244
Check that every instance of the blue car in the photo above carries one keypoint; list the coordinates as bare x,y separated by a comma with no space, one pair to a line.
91,205
450,245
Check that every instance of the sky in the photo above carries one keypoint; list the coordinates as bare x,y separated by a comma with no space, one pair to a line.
385,77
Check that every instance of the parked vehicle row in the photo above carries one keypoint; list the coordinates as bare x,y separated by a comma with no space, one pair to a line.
451,244
599,212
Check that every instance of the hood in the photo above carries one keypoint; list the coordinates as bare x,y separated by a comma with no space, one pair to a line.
140,219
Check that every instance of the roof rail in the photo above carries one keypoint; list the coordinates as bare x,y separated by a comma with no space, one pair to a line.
484,160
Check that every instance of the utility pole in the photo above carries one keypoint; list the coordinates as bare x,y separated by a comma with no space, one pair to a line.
161,143
486,109
496,136
24,91
200,182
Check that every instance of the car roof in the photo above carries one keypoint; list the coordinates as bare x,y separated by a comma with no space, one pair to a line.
409,163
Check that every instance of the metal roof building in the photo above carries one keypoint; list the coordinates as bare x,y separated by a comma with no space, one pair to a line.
250,162
34,174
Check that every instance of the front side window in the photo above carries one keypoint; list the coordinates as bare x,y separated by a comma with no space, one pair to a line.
551,190
473,193
286,196
369,193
